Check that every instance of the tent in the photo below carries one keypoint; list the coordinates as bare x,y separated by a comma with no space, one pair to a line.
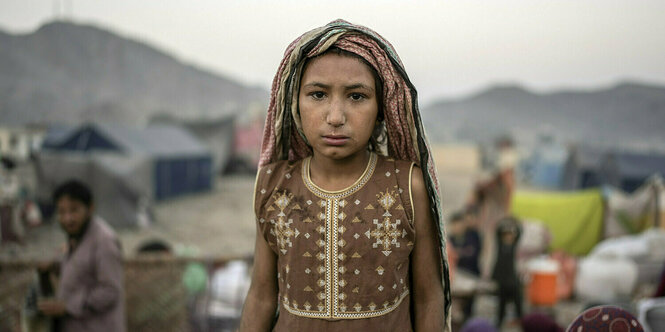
127,168
631,213
575,219
120,184
216,134
583,168
545,167
628,171
178,162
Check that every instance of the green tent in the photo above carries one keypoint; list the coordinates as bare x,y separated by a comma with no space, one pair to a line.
575,219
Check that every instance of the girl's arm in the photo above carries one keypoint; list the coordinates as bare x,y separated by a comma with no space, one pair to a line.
428,299
258,313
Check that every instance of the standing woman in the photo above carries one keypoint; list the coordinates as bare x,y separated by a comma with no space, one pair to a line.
349,228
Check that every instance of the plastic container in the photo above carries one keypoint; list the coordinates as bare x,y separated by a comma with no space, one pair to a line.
542,286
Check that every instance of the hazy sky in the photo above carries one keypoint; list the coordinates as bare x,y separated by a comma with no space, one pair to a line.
448,47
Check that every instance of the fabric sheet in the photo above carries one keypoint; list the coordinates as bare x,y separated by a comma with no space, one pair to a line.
575,219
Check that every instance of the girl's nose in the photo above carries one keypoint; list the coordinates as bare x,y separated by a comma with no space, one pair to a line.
335,116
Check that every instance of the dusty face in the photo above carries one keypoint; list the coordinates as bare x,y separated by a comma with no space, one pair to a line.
338,106
72,214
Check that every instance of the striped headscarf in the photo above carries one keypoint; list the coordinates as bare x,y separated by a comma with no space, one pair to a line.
283,138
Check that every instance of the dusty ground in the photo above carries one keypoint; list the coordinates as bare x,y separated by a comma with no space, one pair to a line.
215,224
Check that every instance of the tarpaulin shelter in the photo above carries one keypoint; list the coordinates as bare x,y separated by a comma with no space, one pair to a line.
583,168
575,219
545,167
120,184
127,164
628,170
631,213
216,134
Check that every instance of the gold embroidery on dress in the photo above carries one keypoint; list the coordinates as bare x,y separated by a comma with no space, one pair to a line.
331,258
386,231
282,228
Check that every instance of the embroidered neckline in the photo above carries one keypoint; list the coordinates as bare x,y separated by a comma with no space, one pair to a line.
318,191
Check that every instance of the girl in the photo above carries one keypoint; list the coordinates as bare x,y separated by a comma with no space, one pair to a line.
349,228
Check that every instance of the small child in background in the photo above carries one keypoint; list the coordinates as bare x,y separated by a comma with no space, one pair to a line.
466,240
508,232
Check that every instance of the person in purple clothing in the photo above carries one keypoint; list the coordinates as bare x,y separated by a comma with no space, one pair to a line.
90,292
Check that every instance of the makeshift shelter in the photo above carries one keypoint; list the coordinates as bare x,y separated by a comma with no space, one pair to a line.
120,184
545,168
574,219
132,165
56,134
631,213
628,171
583,169
216,134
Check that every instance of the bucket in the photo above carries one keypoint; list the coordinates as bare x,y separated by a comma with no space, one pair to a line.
543,281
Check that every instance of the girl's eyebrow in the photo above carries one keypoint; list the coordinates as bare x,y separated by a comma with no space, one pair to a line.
317,85
348,87
358,86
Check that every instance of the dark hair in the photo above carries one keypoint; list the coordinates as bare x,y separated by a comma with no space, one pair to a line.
379,135
457,217
7,163
154,246
75,190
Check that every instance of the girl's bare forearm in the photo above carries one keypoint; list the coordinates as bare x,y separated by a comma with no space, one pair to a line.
258,313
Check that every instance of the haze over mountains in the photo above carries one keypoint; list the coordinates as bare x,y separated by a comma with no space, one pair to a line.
630,115
66,72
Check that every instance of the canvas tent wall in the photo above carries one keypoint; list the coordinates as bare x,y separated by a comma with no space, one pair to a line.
583,168
632,213
545,167
118,183
628,171
179,163
216,134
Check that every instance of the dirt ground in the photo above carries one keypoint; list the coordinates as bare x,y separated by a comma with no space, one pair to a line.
215,224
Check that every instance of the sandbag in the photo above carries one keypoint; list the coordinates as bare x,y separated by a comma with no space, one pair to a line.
604,279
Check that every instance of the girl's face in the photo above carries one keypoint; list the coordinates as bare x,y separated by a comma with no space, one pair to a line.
338,106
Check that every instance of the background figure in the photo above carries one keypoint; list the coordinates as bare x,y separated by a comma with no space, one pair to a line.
605,319
466,240
539,322
90,293
508,232
478,325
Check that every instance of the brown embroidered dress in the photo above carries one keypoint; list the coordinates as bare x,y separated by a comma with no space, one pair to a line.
343,256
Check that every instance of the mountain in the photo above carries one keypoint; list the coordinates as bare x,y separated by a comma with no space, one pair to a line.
628,114
66,72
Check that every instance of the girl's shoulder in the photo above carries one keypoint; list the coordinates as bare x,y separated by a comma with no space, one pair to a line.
271,176
398,163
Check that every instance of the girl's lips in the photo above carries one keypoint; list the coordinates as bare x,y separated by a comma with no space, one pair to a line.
335,140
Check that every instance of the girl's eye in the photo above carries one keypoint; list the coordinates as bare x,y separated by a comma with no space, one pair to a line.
317,95
357,96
